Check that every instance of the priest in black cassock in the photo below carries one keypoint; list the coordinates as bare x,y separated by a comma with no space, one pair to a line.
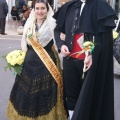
90,20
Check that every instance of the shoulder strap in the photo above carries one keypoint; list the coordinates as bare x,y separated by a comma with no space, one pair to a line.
46,59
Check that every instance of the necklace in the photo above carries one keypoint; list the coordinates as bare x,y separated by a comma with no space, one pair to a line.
37,27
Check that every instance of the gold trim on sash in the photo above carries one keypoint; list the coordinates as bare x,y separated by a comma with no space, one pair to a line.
46,59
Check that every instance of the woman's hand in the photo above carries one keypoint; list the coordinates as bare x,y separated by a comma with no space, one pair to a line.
64,51
88,62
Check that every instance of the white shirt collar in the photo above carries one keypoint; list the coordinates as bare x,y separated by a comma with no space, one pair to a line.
83,1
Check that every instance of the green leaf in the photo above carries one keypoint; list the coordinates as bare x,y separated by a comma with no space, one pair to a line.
8,66
29,36
4,57
17,69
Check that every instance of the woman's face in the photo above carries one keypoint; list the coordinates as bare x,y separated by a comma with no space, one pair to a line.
40,10
24,7
14,8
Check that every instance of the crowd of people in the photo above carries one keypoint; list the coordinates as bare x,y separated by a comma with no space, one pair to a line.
21,13
46,91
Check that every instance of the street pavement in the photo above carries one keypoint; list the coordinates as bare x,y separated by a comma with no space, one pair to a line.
7,78
117,96
116,67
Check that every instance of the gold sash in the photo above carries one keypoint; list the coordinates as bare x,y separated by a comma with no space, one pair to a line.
46,59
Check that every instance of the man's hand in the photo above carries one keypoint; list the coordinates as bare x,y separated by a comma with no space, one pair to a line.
64,51
88,62
62,36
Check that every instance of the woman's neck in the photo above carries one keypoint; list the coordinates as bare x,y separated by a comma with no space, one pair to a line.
39,21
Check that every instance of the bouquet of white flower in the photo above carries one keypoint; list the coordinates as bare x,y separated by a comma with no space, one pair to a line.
115,35
87,48
15,60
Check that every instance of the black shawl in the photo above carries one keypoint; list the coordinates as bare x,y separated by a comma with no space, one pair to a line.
97,16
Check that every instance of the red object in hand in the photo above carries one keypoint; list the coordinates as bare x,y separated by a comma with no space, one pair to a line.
77,48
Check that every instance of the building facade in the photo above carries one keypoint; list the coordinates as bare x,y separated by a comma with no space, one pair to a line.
56,3
115,4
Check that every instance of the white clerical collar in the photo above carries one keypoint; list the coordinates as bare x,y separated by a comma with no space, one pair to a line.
83,1
82,6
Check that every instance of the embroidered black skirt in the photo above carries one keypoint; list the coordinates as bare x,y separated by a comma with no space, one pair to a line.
35,93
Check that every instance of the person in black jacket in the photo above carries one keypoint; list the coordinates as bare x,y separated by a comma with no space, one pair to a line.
3,14
21,3
14,13
90,20
24,9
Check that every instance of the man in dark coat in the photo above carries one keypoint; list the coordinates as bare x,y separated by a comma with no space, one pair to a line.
21,3
94,20
3,14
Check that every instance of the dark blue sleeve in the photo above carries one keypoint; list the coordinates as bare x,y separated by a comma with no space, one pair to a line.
6,8
58,40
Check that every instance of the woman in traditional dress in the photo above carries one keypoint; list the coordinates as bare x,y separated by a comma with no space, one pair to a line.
37,93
